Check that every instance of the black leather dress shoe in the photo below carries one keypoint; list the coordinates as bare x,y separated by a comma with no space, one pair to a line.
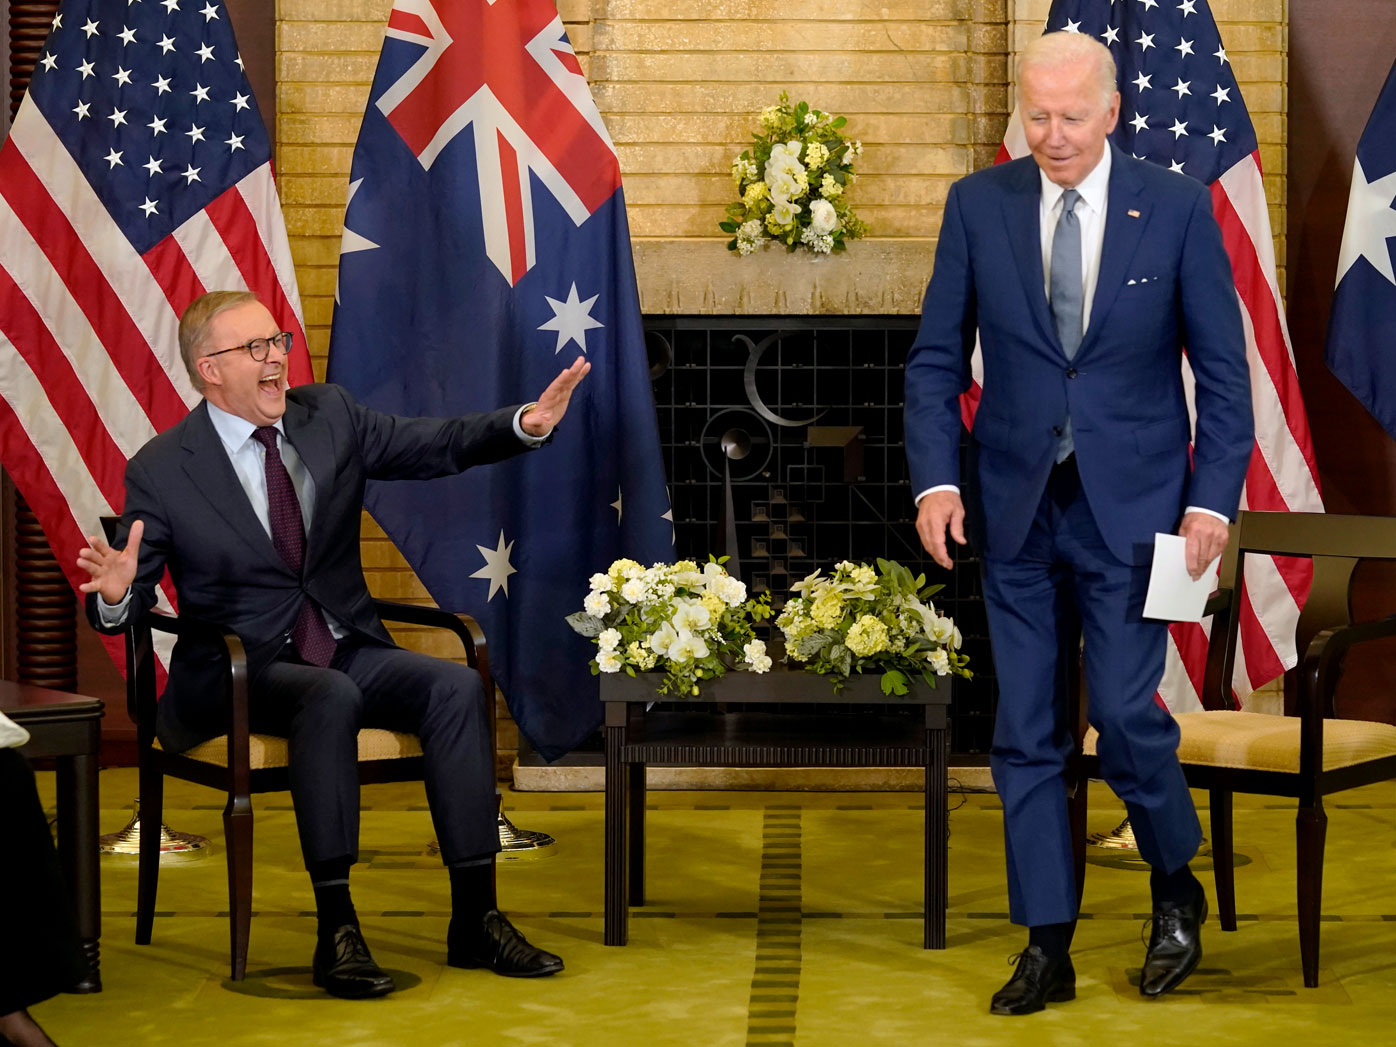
499,946
1175,945
1038,981
344,967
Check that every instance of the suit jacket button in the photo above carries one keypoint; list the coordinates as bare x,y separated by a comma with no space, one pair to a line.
1071,372
1056,430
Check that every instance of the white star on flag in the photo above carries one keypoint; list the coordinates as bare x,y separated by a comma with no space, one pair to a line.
572,320
1371,222
497,567
350,241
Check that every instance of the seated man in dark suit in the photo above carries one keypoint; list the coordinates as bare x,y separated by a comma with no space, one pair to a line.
253,501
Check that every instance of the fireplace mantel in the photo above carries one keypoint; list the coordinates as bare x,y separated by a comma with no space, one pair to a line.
883,276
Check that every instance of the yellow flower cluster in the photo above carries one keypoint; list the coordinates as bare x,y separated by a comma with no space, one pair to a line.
867,636
827,609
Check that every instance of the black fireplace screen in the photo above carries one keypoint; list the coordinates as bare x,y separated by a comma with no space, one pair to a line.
806,413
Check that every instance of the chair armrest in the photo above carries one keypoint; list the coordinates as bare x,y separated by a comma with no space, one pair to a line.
1218,602
1318,682
1322,664
466,628
140,681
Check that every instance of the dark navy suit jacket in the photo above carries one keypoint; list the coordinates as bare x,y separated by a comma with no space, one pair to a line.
199,523
1165,284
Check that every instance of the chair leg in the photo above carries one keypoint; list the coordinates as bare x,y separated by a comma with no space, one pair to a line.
152,816
1311,830
237,831
1076,817
1223,865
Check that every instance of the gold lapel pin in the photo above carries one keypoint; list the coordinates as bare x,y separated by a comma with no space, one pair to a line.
1132,214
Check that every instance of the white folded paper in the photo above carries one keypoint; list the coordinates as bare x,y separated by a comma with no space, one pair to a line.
12,735
1173,595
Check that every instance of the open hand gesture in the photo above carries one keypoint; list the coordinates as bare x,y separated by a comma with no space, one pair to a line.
540,419
112,571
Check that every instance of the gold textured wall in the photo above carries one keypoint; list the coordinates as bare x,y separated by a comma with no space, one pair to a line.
925,84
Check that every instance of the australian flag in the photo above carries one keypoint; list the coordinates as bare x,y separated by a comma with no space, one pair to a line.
1362,326
485,247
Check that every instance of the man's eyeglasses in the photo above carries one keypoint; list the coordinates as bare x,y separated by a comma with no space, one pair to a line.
260,348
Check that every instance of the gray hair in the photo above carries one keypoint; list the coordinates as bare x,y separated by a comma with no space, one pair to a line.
1053,50
195,321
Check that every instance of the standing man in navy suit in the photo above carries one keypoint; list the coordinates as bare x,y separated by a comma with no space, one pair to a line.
253,502
1086,275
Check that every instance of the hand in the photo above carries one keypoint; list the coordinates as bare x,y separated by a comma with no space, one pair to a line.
112,572
1207,537
938,511
540,419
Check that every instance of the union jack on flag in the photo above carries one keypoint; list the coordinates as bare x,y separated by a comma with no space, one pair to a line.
1181,108
485,248
487,67
136,176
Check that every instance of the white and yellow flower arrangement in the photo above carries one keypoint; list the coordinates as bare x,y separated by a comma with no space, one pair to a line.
792,183
861,619
687,622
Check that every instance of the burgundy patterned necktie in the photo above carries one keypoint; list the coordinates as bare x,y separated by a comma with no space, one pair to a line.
310,634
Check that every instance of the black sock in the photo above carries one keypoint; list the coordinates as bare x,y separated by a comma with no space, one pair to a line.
1173,888
472,892
1054,939
333,906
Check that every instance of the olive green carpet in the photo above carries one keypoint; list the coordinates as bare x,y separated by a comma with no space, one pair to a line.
773,919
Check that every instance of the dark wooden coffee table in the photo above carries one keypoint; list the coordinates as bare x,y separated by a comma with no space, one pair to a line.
67,727
759,737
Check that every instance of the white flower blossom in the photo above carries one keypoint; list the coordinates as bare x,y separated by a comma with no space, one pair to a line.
662,639
785,212
728,589
596,604
691,615
601,583
822,217
609,639
608,662
940,662
634,590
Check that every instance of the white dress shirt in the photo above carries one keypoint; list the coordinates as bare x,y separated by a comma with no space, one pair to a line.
1090,215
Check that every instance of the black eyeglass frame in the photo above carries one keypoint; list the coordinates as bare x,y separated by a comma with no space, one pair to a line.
285,339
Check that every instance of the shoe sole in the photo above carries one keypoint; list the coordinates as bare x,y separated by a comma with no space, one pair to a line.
372,992
541,972
1061,994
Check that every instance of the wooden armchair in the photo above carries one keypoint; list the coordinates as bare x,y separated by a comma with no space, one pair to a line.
241,763
1305,756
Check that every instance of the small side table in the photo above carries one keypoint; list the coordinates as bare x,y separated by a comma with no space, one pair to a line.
67,727
637,735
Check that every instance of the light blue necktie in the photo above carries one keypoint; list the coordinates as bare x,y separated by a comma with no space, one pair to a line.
1064,283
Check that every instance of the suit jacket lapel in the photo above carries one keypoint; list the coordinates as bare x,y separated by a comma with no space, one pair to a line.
1126,216
315,448
207,466
1022,215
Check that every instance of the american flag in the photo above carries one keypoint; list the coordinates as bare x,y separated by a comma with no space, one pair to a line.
1181,108
137,176
485,248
